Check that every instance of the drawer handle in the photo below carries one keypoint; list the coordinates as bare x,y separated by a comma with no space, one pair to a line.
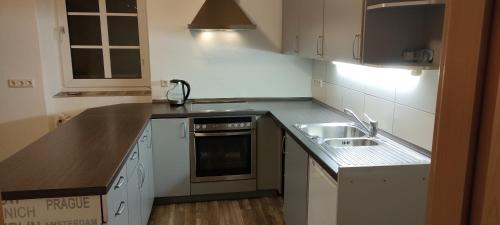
144,138
142,174
120,183
121,209
283,145
134,156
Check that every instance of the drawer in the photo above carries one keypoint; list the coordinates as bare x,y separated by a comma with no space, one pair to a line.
132,161
118,189
118,213
117,196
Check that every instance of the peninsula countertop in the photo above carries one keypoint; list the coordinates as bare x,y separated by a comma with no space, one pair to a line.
84,156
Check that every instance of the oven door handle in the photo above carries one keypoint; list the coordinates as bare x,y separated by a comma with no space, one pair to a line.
222,134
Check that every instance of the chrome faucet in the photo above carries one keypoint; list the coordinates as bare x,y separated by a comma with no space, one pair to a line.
372,129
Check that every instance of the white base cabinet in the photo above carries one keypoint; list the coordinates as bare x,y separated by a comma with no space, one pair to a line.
323,196
134,196
171,157
147,187
130,200
295,193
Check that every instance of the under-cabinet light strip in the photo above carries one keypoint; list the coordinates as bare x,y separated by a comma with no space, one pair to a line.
402,4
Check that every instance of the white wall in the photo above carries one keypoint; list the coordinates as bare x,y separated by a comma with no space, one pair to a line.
29,47
52,70
224,64
22,114
403,104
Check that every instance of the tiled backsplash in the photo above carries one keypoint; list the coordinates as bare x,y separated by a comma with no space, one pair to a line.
402,103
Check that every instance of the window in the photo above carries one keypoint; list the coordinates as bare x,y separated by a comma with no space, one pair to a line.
104,43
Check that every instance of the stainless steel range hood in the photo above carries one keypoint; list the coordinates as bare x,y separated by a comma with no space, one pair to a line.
221,15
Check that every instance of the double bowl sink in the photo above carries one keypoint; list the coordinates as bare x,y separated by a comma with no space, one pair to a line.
349,145
337,135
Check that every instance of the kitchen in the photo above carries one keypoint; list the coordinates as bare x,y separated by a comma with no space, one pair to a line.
161,112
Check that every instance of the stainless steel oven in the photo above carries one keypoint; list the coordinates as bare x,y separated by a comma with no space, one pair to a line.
223,148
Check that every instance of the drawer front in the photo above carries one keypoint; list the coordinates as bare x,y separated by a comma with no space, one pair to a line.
117,199
133,160
118,190
118,214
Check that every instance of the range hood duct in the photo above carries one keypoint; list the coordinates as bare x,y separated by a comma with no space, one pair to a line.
221,15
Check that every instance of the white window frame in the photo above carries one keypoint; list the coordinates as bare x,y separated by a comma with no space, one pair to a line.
70,82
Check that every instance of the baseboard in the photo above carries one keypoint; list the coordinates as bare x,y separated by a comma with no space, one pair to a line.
215,197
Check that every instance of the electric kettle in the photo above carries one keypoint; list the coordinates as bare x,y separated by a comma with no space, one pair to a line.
178,92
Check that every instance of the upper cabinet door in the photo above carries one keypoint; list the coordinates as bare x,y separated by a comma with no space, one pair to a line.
291,26
343,27
311,28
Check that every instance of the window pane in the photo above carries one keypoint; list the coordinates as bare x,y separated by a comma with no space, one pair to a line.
125,63
87,63
84,30
82,5
121,6
123,31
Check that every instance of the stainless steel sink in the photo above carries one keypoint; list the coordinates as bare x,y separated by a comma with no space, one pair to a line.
355,142
331,130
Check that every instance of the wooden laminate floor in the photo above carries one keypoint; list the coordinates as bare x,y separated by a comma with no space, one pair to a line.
259,211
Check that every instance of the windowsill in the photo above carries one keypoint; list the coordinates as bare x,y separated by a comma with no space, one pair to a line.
76,94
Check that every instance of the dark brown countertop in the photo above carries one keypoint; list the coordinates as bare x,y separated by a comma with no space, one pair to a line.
84,155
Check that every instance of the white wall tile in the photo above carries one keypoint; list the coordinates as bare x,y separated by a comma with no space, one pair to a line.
348,75
404,105
414,126
332,76
318,90
334,95
354,100
423,94
380,88
319,70
380,110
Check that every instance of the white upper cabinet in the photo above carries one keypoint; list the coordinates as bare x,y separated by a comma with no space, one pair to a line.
387,33
291,26
311,36
343,27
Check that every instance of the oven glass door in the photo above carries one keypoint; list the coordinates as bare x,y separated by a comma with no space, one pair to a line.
223,156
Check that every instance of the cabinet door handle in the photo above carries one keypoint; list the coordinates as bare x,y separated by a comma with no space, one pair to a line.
296,43
283,145
356,47
184,130
121,209
120,183
319,42
135,155
142,175
144,138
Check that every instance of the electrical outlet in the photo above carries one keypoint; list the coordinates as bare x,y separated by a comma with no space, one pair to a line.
318,83
164,83
21,83
12,83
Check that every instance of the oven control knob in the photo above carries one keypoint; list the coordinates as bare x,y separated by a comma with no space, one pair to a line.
204,126
230,125
242,125
197,127
248,125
